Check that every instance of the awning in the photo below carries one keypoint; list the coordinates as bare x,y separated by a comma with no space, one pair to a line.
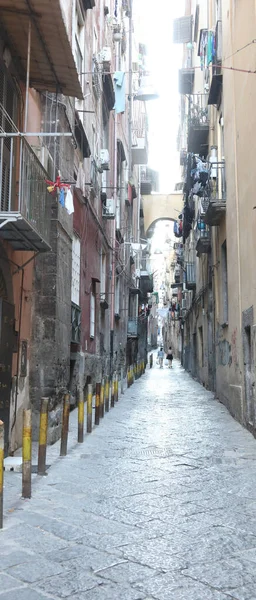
52,64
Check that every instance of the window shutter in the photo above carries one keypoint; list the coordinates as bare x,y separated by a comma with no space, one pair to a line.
182,30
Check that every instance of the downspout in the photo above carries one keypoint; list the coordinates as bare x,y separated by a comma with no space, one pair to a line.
113,273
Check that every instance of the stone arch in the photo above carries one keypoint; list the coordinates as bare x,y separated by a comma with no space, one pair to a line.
157,207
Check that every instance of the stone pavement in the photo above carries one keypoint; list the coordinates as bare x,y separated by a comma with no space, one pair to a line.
159,503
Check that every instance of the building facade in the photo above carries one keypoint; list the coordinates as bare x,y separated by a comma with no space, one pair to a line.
72,142
216,226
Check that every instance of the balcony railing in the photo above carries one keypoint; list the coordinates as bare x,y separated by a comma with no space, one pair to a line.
198,124
75,324
203,237
24,223
190,275
216,190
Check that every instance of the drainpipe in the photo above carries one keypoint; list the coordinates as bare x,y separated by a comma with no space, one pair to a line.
113,274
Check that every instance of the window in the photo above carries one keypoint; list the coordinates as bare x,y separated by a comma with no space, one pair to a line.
103,277
224,273
92,313
117,296
75,282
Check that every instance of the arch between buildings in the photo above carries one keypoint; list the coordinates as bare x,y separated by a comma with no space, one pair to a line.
158,207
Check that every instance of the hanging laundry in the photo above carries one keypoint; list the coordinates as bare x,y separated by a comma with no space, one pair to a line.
69,204
119,85
62,197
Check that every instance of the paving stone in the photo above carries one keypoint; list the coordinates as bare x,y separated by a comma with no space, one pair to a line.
24,594
68,583
7,582
124,572
34,570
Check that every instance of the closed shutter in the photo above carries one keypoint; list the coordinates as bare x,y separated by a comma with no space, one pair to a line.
182,30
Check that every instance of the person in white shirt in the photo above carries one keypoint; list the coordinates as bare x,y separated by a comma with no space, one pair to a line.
160,356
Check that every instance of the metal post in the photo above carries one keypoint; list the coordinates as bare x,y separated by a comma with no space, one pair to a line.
122,380
89,408
113,391
107,395
80,433
65,421
151,361
43,427
97,403
102,389
26,454
1,473
116,387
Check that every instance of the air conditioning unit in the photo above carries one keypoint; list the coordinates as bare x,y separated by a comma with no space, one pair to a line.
108,209
105,57
104,160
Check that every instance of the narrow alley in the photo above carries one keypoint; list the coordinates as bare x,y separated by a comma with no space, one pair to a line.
159,503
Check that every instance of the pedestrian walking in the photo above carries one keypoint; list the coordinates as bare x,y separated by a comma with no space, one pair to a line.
169,357
160,356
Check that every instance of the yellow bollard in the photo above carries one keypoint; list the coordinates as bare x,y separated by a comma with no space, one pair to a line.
107,395
64,429
89,408
80,406
26,454
97,403
43,427
1,473
102,399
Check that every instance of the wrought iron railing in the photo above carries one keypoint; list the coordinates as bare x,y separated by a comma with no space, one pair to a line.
75,324
198,114
191,273
217,182
34,199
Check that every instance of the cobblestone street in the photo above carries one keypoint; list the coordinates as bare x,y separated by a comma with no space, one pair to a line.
159,502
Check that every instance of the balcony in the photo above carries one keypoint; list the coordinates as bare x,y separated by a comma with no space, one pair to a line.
24,222
75,324
149,181
132,328
140,150
217,194
140,141
52,64
146,284
203,245
186,81
190,276
198,124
